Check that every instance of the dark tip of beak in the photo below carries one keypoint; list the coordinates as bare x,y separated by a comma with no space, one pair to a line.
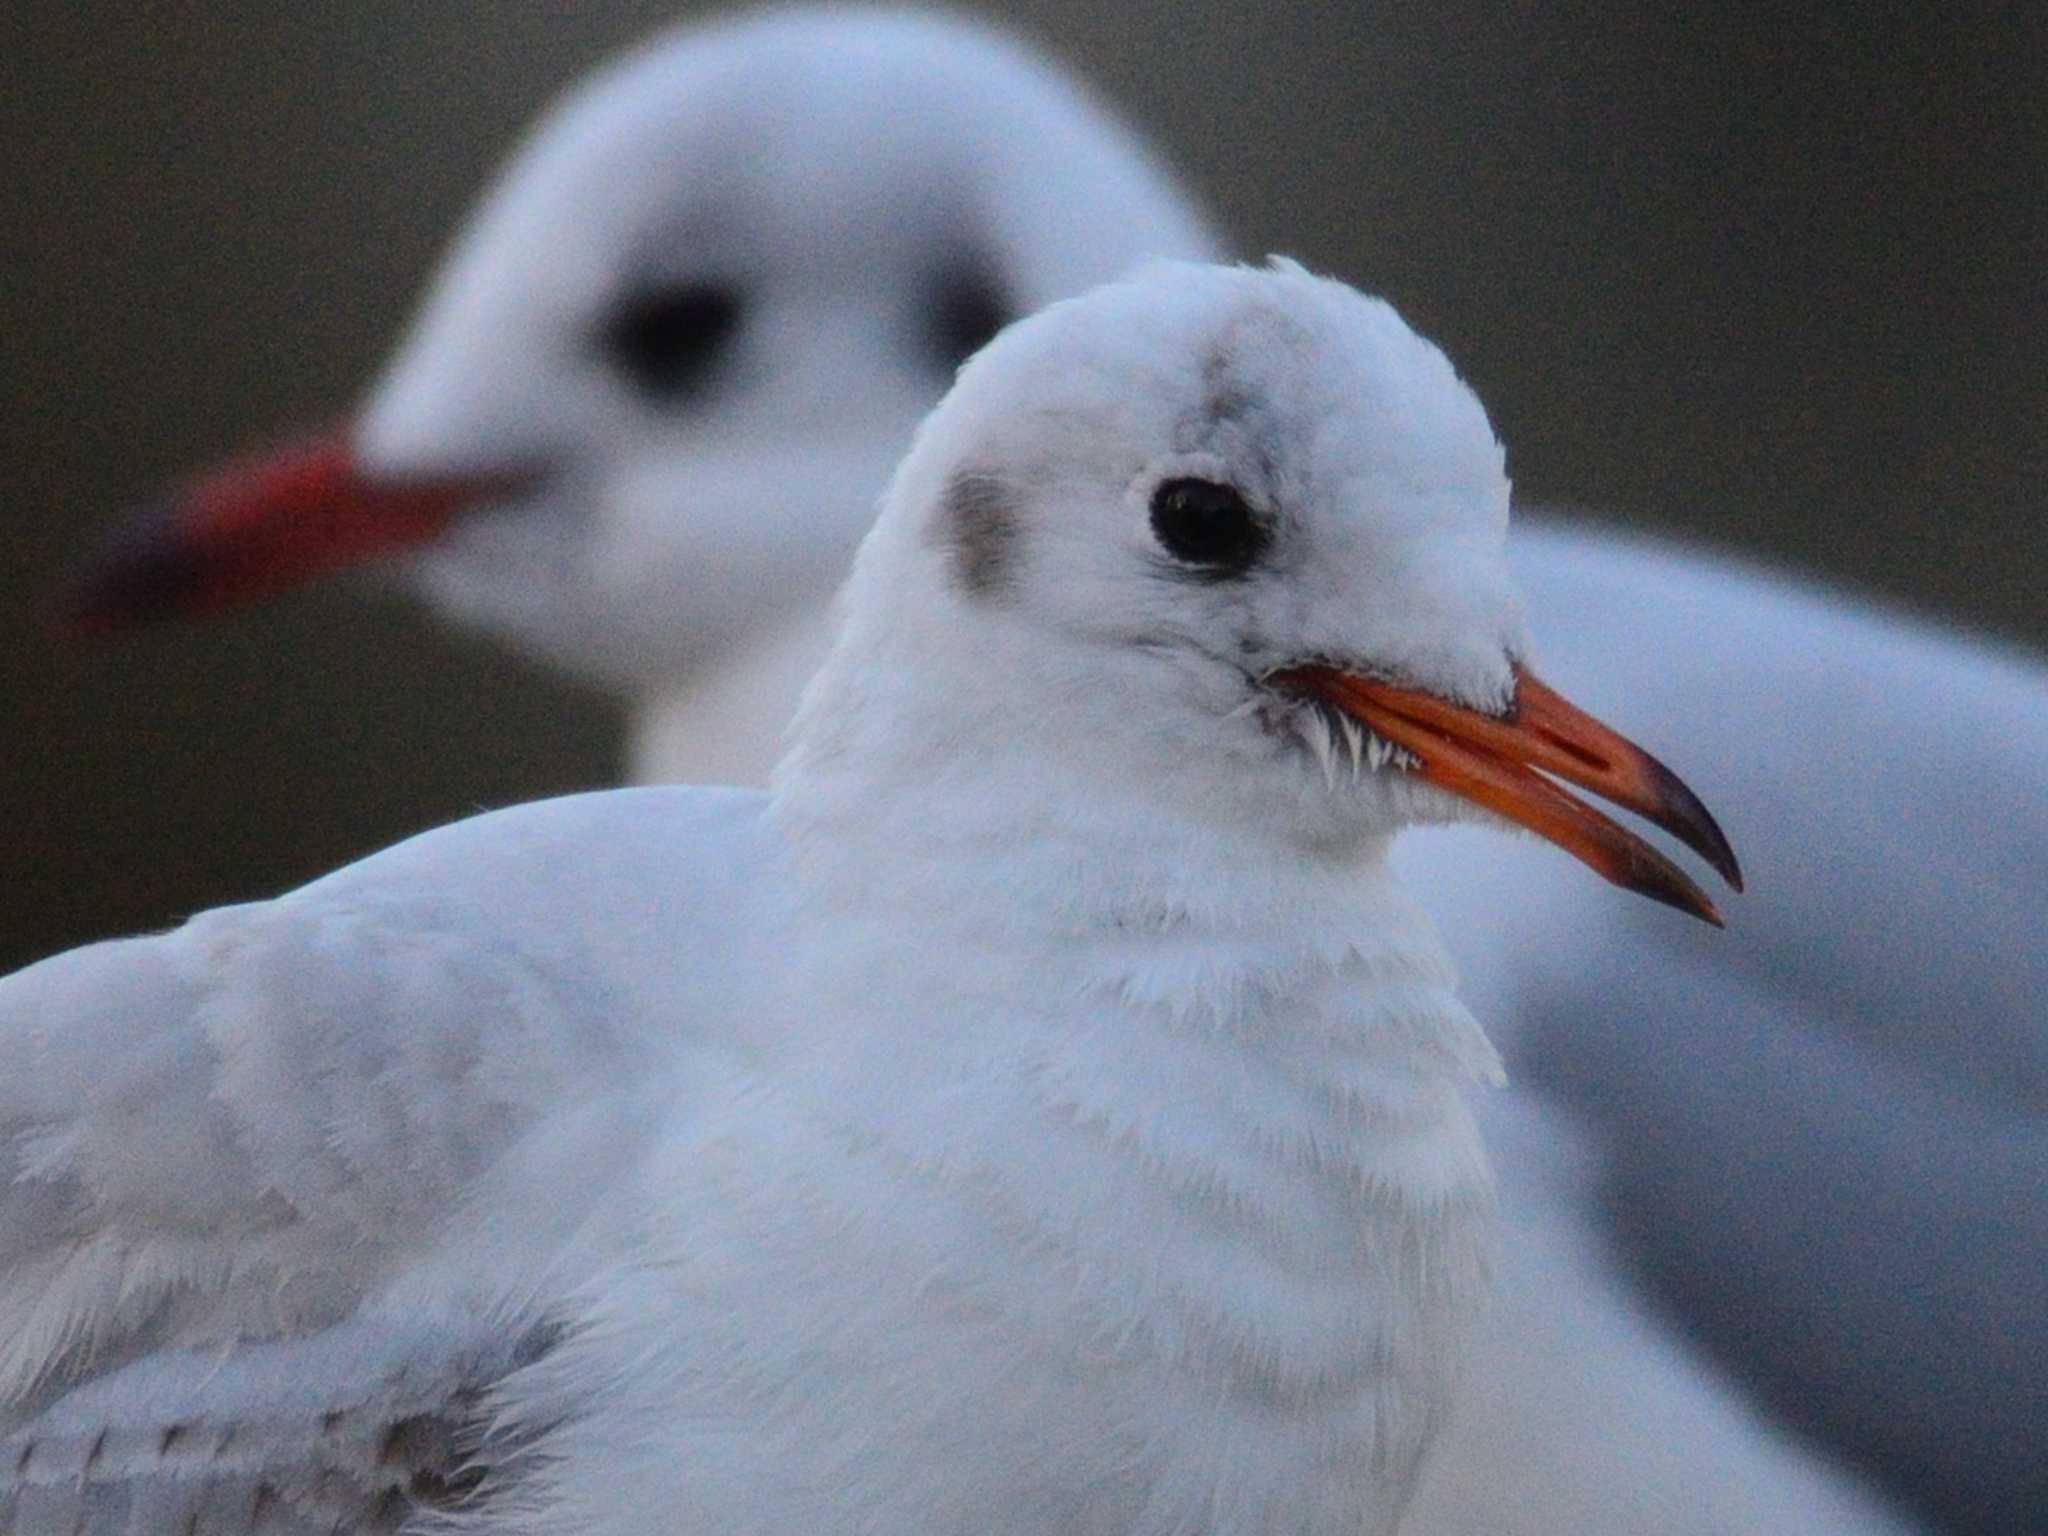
143,573
1668,885
1686,819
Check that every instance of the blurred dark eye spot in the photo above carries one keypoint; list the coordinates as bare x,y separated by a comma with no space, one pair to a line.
666,341
964,308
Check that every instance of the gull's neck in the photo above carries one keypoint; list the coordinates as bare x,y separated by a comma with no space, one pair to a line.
725,723
916,792
1222,1085
1028,884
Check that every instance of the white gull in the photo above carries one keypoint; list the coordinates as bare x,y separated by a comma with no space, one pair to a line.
1044,1111
676,371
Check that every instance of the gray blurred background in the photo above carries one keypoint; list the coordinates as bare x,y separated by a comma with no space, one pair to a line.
1770,278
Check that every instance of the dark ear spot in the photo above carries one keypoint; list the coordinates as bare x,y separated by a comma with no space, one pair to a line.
977,525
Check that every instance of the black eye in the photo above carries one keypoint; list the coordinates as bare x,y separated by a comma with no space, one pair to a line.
1207,525
964,309
666,340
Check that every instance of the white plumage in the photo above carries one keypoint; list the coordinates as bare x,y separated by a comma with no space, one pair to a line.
1044,1112
681,547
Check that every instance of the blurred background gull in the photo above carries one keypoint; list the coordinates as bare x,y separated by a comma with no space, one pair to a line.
1770,282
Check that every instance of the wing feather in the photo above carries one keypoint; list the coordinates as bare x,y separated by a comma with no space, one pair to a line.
244,1161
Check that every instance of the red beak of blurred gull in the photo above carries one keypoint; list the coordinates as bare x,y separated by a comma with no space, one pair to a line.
259,527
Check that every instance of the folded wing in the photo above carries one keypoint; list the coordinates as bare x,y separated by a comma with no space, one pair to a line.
285,1191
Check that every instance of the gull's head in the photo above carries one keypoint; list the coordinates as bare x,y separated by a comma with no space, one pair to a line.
661,378
1230,539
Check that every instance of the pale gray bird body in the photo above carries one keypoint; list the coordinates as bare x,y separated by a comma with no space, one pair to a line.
1044,1111
647,410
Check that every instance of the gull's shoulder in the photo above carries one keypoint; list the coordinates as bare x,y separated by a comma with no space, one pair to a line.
1860,1063
1888,773
353,1133
678,837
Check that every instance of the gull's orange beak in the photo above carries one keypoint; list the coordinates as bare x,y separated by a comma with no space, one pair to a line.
1491,761
256,528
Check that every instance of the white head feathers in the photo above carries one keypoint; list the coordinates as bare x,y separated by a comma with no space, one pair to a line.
1021,555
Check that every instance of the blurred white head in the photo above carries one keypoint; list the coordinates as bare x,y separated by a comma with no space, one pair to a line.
659,382
713,297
